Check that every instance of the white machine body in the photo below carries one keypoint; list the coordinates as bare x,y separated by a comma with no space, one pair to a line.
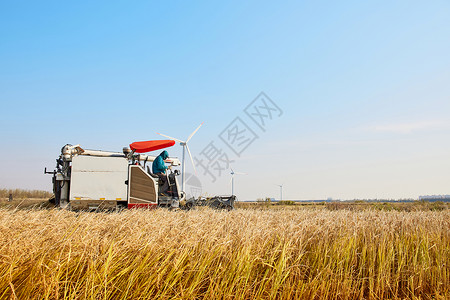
98,178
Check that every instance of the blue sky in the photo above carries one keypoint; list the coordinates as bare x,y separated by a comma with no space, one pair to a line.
364,87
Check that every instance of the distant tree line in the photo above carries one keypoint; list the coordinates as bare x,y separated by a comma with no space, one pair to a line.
24,194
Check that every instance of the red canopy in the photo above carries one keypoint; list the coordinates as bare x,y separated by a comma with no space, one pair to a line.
147,146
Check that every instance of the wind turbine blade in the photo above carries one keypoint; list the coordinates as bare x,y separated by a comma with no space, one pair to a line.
240,173
192,160
170,137
232,172
192,134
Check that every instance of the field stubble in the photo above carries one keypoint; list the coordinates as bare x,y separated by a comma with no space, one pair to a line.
243,254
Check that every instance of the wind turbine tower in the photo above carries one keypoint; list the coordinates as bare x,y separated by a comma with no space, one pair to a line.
232,179
281,191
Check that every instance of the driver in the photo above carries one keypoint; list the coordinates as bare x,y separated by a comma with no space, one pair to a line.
159,168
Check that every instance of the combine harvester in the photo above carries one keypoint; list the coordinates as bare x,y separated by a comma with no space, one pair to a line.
100,180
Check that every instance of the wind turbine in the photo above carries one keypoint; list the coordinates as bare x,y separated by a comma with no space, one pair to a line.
281,191
185,147
232,179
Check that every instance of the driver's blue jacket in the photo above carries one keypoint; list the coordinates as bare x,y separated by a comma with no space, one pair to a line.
158,164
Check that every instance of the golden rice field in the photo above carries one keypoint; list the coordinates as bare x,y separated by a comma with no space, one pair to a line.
206,254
